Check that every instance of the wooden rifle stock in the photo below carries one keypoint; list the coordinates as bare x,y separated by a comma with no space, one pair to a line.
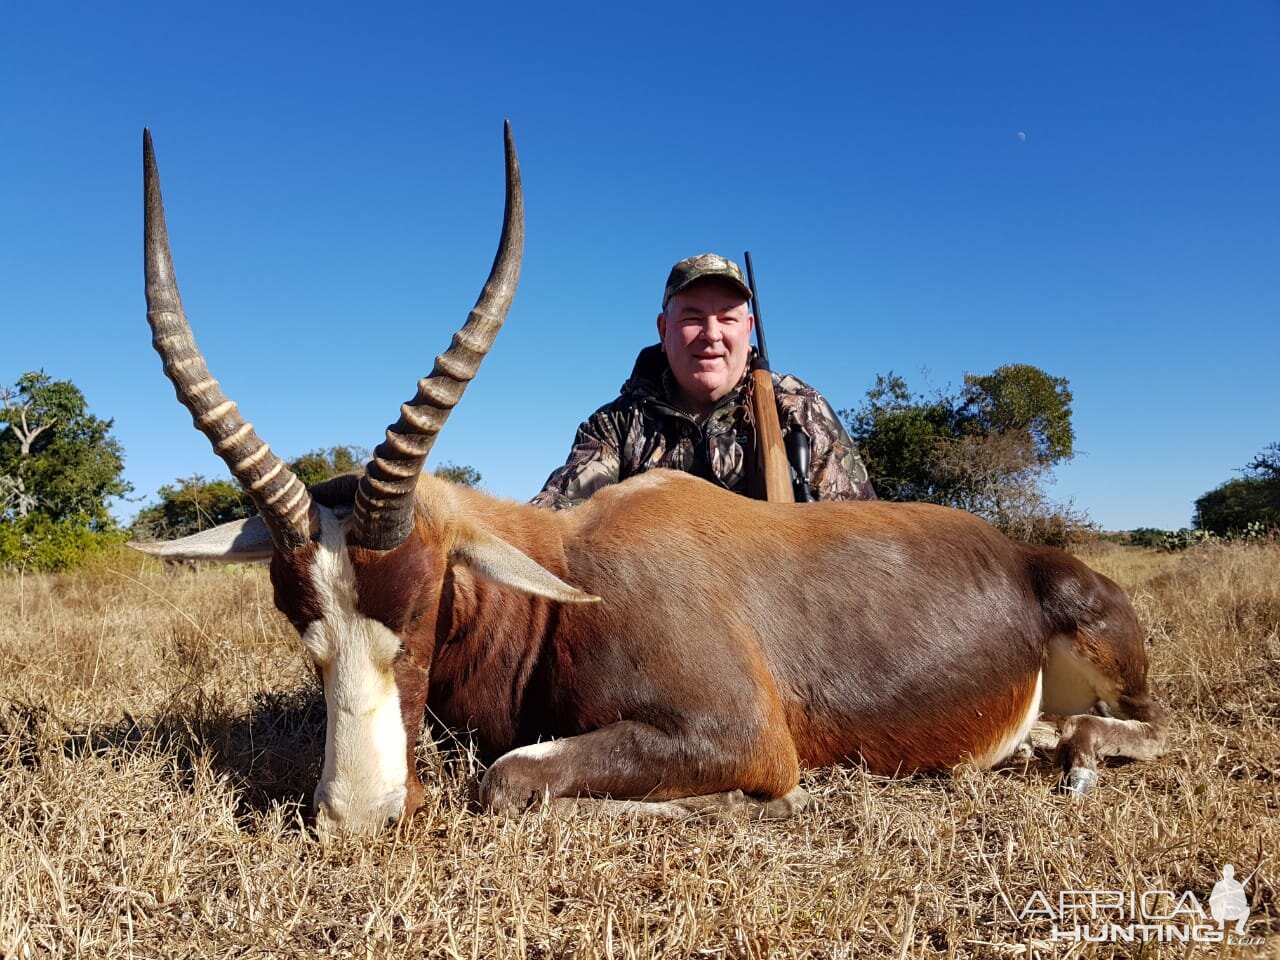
764,405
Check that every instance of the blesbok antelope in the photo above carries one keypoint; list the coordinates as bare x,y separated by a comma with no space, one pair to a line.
667,642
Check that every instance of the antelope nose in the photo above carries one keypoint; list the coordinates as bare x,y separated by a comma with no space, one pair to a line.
335,820
328,823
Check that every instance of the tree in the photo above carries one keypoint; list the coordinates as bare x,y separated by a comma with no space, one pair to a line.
195,503
463,475
1235,505
59,465
897,434
1020,398
987,449
999,476
319,465
192,504
56,458
1266,465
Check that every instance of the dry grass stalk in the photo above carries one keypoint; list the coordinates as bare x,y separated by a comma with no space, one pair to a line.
160,735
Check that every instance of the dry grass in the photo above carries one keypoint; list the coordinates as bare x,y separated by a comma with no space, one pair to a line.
160,735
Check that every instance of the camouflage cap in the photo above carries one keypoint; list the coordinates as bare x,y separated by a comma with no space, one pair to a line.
702,266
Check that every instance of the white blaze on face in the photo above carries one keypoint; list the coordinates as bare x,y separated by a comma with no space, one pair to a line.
362,787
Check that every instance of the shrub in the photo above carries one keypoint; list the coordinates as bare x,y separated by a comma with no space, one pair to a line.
1149,537
35,542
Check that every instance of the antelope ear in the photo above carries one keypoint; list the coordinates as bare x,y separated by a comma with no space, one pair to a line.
241,541
494,559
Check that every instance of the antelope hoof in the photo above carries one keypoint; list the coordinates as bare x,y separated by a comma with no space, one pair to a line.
788,805
503,791
1080,781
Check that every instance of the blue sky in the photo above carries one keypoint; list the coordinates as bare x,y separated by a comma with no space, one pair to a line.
333,181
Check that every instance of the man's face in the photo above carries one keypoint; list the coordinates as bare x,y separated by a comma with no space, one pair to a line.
706,335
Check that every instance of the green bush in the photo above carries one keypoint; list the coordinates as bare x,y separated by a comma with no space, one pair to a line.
35,542
1184,538
1149,537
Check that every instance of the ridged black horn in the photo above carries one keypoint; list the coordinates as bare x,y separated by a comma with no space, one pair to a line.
385,497
281,498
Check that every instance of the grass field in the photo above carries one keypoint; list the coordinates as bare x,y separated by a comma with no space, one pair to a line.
160,736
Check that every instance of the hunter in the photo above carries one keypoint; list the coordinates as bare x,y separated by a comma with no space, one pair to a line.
687,403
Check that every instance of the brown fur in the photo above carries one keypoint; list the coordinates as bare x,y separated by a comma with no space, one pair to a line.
295,596
736,639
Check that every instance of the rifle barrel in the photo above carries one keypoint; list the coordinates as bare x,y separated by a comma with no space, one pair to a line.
761,350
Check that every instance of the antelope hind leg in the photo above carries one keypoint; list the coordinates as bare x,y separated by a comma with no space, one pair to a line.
1096,681
1088,737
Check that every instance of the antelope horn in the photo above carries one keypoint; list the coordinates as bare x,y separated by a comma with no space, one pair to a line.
385,496
282,500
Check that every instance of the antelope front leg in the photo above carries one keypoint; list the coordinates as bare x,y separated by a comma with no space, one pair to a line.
635,761
708,804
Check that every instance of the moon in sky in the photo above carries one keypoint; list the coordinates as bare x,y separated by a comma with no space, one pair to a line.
1022,137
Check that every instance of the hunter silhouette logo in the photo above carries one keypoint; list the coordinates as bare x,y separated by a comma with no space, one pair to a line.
1228,901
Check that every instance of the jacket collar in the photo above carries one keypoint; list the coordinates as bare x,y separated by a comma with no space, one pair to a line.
652,380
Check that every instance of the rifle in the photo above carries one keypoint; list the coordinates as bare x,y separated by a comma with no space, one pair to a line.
774,465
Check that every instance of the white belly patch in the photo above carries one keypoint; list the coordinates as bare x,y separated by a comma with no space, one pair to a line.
1005,747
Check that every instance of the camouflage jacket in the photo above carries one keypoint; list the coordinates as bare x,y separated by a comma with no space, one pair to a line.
645,428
